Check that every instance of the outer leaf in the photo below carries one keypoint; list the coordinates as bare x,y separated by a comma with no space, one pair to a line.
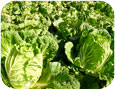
48,46
58,77
64,80
69,51
9,39
52,68
107,72
4,74
49,71
95,51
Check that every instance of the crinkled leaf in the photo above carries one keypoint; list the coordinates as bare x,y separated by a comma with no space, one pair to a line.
23,66
9,39
107,72
95,51
58,77
48,46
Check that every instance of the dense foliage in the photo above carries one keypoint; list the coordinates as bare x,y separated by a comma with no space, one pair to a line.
57,44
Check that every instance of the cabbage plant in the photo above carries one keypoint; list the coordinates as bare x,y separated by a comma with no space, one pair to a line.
57,44
24,66
23,58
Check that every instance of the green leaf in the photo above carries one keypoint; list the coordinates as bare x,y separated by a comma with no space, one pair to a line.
49,71
9,39
24,66
95,51
58,77
69,51
63,80
48,45
107,72
4,74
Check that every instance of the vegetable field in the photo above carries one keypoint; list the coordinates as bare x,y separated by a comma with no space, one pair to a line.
57,44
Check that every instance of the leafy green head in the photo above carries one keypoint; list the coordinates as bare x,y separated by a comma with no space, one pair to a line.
24,66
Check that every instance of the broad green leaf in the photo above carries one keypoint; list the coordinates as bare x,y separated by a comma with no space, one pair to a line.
24,66
48,45
95,51
107,72
9,39
58,77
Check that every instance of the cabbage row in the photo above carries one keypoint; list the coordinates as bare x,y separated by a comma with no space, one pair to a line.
57,44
